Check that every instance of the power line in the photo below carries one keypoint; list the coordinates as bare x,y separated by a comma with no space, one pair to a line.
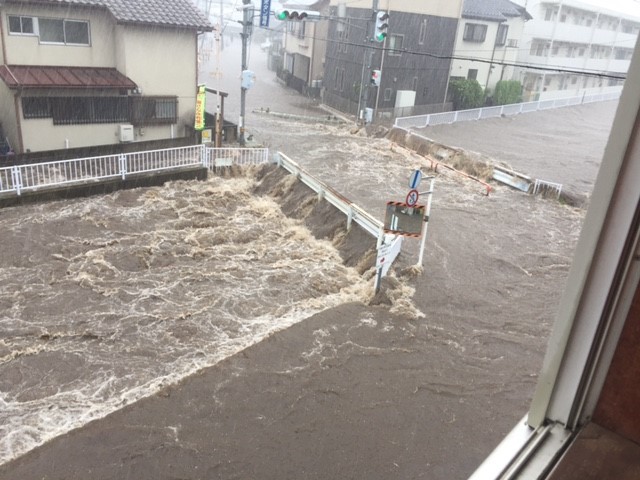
530,66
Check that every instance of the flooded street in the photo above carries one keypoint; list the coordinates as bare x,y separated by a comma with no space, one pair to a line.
110,299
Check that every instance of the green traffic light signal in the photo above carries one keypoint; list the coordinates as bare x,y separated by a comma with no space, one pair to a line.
283,15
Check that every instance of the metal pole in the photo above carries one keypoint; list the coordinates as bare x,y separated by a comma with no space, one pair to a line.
426,221
247,20
364,61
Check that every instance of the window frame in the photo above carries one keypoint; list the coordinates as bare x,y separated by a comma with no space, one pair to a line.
64,32
470,35
34,25
394,50
422,36
501,35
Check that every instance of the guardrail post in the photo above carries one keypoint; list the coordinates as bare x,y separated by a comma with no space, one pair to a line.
123,166
350,217
16,177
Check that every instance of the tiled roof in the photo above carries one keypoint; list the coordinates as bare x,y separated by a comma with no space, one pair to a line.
179,13
28,76
493,10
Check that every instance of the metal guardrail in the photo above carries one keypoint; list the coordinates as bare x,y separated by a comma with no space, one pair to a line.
353,212
20,178
422,121
225,157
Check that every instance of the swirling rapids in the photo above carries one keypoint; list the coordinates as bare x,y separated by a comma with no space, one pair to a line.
105,300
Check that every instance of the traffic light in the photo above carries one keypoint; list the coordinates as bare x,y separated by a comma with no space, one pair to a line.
375,77
297,15
382,25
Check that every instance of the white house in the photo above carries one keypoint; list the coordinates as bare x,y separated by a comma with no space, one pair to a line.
91,72
490,33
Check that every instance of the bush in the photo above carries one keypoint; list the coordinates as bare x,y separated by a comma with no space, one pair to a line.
507,91
466,94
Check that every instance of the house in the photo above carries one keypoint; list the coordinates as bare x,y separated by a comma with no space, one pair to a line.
414,59
577,36
76,73
490,33
304,46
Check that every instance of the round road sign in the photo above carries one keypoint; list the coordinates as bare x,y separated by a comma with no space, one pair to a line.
412,198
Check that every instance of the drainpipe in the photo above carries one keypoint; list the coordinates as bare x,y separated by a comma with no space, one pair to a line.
16,100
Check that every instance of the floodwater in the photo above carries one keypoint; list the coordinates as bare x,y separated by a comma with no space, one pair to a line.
107,299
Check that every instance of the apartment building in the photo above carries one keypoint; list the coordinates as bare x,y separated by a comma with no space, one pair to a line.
488,40
95,72
593,43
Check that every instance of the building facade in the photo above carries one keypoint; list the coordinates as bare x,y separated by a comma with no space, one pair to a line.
488,39
414,60
304,47
593,44
92,72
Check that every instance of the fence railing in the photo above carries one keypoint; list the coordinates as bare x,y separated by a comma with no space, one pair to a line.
421,121
30,177
351,210
226,157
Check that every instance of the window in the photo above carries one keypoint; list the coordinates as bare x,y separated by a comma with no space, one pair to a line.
423,32
82,110
154,110
395,44
472,74
414,84
474,32
336,80
387,94
501,37
36,107
548,14
69,32
21,25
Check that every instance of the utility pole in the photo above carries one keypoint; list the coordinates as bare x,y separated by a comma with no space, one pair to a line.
247,23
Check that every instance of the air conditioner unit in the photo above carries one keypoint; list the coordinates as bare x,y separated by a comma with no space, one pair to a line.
125,133
512,42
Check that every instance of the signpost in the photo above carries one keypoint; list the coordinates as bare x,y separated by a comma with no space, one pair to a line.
412,197
265,12
201,98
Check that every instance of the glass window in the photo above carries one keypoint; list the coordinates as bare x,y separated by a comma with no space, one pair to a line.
501,37
395,44
51,30
475,32
21,25
69,32
76,32
423,32
36,107
387,94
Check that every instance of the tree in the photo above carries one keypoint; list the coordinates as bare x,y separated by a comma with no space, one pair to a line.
466,94
507,91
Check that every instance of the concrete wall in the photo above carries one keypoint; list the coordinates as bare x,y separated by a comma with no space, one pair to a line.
8,116
162,61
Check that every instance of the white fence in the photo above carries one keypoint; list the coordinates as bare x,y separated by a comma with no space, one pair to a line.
421,121
19,178
351,210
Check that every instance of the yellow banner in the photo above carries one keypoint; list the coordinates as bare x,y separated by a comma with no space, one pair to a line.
201,98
